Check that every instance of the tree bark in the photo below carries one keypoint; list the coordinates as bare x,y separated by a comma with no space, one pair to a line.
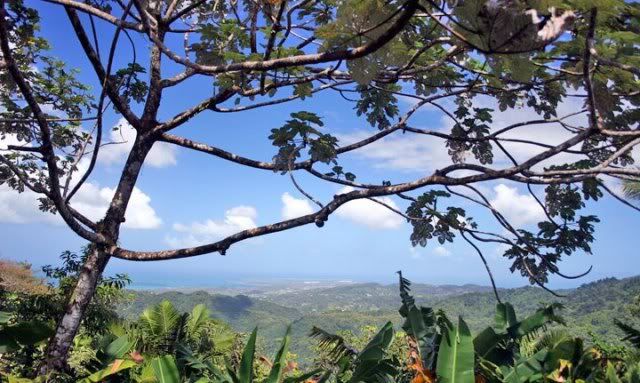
68,326
89,277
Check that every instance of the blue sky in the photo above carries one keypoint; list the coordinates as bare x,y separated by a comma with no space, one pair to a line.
187,198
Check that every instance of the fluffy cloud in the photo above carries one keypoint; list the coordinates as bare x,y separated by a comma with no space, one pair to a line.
421,153
369,213
91,200
439,251
94,201
161,155
235,220
518,208
294,207
22,207
11,139
405,152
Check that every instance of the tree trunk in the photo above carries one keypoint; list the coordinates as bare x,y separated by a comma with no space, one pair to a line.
58,348
69,324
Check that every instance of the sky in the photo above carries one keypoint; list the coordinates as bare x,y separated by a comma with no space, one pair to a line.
184,198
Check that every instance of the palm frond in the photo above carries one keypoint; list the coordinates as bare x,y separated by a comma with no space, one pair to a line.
632,334
160,320
333,344
631,189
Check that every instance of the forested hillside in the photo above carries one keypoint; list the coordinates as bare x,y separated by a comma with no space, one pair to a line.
588,310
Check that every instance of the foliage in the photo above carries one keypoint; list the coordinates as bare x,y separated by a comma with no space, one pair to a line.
165,345
36,304
19,278
481,56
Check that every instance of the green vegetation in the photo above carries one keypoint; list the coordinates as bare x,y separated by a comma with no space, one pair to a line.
470,60
176,337
588,310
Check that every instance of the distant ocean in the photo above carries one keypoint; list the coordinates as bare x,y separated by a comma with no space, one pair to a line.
233,282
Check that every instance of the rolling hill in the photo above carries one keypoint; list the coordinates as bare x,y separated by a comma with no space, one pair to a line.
589,309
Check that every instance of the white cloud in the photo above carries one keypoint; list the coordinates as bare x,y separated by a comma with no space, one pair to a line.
519,209
294,207
415,253
91,200
22,207
369,213
405,152
422,153
235,220
161,155
441,251
11,139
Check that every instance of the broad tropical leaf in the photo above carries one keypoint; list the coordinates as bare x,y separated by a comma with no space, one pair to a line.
22,334
505,316
5,317
245,374
370,363
115,367
275,376
456,355
118,348
165,369
540,318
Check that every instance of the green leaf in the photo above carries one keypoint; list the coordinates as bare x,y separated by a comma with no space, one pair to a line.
419,324
489,345
199,316
526,369
245,374
24,333
535,321
303,377
370,363
5,317
612,377
118,348
303,90
280,360
505,316
161,319
308,116
456,355
117,366
7,344
165,369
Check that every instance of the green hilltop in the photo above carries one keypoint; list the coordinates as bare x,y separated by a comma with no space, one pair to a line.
589,309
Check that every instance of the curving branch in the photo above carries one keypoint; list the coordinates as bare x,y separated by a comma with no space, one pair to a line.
403,18
45,135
